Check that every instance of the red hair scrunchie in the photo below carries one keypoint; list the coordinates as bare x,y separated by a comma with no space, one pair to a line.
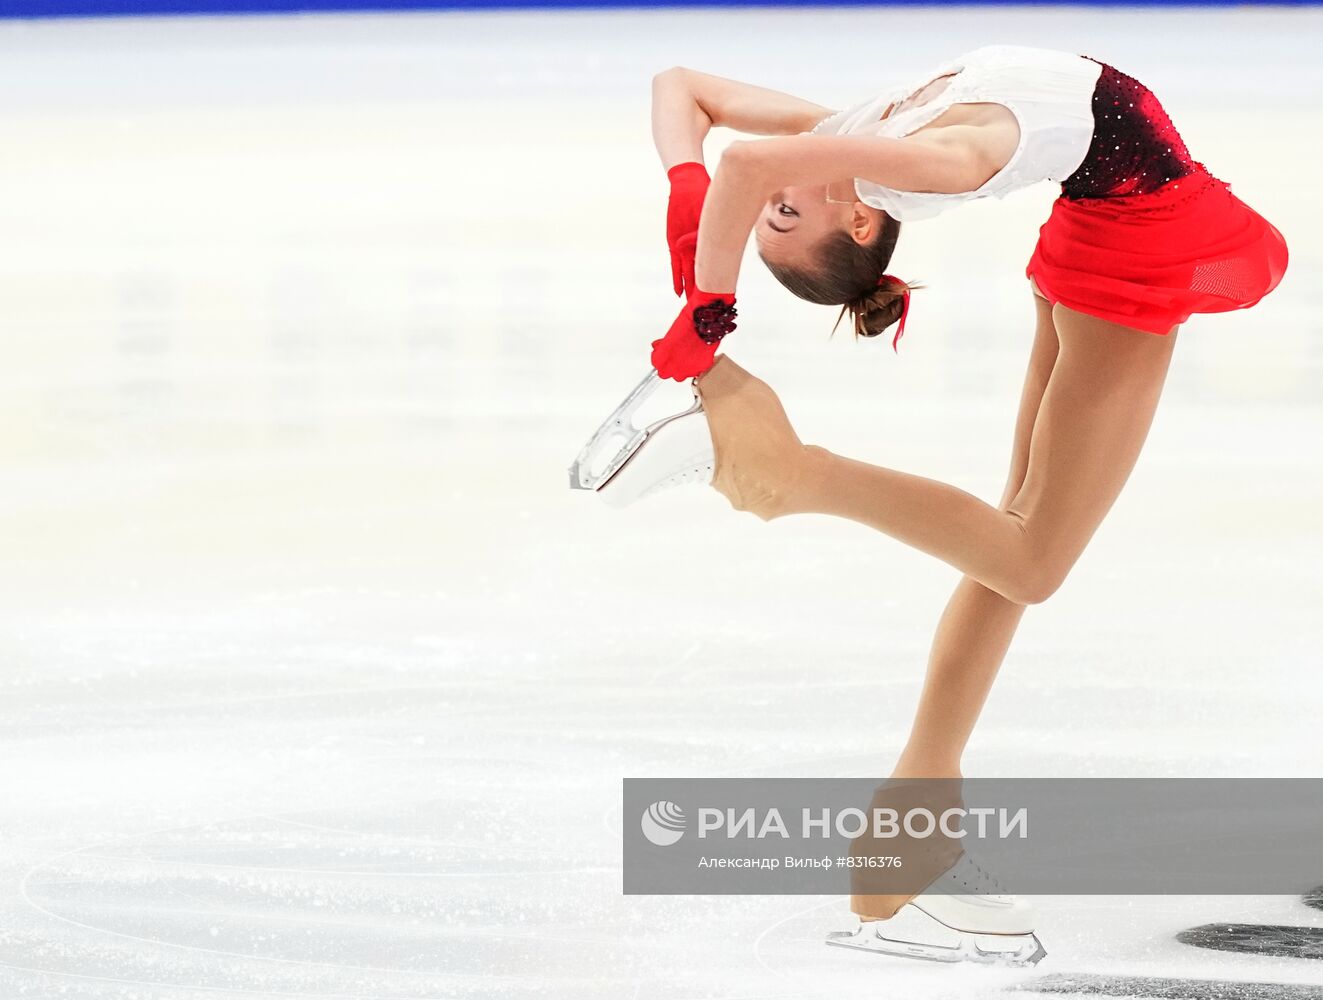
904,308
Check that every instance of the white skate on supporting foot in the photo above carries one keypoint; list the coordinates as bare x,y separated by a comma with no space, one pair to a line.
954,926
624,462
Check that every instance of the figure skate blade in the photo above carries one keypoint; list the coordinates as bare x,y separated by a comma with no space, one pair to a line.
912,933
620,436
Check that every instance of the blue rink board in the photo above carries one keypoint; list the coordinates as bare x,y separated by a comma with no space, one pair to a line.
122,8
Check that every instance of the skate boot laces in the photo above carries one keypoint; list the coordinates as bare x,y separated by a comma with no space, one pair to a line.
972,878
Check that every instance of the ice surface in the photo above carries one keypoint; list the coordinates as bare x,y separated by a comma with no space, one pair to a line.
319,682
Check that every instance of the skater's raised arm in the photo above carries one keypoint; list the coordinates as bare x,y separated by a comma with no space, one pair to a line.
751,172
686,104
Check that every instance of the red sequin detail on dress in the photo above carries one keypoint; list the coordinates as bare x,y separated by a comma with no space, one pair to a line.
1135,148
1143,235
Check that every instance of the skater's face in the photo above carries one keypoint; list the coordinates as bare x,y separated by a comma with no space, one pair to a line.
795,220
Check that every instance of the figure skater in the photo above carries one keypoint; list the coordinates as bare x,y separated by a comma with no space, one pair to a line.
1141,237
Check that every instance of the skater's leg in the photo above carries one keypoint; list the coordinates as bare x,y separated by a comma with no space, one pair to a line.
978,624
972,638
1095,415
973,634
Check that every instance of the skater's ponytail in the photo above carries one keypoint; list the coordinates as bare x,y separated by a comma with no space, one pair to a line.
852,275
884,304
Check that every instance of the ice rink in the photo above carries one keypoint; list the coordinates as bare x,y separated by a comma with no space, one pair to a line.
317,679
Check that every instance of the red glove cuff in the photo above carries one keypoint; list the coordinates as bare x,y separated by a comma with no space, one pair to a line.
690,345
688,167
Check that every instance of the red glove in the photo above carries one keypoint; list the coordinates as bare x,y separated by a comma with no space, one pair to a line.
689,184
690,345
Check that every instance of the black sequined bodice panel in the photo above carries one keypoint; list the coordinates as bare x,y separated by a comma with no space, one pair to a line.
1135,147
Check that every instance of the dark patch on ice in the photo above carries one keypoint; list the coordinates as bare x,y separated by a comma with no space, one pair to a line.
1168,989
1257,939
1314,898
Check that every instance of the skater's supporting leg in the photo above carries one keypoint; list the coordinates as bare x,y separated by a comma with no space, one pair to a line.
1095,415
978,624
972,638
973,635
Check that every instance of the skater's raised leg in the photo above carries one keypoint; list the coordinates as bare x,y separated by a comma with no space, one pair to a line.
1095,414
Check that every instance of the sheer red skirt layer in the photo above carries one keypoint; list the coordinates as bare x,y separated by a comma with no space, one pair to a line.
1161,239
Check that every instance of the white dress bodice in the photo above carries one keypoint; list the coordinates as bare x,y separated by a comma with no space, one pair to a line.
1049,92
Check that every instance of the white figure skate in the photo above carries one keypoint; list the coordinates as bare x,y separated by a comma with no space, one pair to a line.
623,462
953,925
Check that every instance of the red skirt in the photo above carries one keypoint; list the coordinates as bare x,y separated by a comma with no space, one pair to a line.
1149,261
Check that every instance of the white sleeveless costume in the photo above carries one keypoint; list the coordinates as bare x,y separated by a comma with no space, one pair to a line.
1049,92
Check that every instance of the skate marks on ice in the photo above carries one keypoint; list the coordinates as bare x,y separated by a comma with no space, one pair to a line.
1151,988
1274,940
398,906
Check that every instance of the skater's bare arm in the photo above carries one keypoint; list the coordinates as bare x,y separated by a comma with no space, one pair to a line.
750,171
946,161
686,104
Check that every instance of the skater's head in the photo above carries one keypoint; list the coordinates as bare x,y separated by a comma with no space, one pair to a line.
832,253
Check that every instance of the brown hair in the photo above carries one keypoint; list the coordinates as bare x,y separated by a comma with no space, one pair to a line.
848,273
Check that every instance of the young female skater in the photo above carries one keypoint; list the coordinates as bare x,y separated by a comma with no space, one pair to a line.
1141,237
